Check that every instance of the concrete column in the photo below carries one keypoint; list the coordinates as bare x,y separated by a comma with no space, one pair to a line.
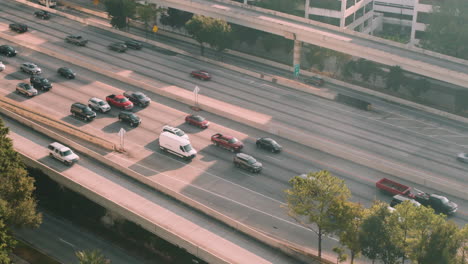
306,8
297,53
245,1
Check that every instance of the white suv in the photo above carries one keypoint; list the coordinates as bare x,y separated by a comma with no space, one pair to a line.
176,131
99,105
62,153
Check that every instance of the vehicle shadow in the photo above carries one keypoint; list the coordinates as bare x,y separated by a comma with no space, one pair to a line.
116,126
74,121
54,163
17,97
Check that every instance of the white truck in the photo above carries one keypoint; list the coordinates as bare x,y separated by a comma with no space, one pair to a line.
52,3
62,153
176,145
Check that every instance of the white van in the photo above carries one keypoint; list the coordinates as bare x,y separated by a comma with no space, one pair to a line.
176,145
52,3
62,153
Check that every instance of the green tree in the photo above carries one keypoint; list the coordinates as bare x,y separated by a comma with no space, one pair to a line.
214,32
424,224
395,78
7,243
91,257
462,256
446,31
175,18
376,235
349,217
442,245
17,204
147,13
120,11
289,6
313,199
419,86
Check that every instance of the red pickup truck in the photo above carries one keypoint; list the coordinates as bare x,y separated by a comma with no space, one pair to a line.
119,101
227,142
438,202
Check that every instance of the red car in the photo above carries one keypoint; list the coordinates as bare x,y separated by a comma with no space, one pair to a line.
227,142
119,101
202,75
197,120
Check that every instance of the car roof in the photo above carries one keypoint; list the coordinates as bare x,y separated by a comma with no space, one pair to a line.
244,156
59,146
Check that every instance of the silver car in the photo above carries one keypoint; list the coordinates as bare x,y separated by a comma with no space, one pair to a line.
99,105
463,157
30,68
26,89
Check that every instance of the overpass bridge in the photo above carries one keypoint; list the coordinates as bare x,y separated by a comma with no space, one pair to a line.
412,59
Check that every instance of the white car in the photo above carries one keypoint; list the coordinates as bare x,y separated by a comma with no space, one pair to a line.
30,68
463,157
99,105
62,153
176,131
2,66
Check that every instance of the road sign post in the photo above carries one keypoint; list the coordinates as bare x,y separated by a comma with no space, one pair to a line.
297,68
121,136
195,93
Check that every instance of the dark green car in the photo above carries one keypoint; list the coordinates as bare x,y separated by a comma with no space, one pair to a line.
130,118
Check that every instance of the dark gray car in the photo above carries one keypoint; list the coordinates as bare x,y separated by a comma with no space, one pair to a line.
138,98
120,47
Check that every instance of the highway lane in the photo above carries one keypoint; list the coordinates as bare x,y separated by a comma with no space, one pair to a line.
61,239
368,133
137,197
263,192
263,90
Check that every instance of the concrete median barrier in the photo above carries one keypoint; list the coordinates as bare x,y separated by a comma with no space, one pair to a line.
8,106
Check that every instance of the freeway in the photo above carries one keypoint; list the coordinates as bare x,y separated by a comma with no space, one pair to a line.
403,136
60,239
145,202
211,178
347,41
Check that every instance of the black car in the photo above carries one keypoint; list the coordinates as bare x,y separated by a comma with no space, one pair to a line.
315,80
66,72
268,144
247,162
39,82
42,14
82,111
138,98
120,47
129,117
7,50
133,44
20,28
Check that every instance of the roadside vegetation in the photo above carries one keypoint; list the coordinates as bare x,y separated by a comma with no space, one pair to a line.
407,234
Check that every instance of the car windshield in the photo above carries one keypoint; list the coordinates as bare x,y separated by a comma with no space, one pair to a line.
233,140
444,200
102,103
179,132
27,87
187,148
123,100
251,161
133,116
87,109
45,81
140,96
198,118
67,152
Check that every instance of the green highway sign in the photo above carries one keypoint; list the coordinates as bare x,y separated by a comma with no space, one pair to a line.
297,68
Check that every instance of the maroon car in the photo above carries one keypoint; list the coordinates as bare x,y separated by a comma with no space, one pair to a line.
202,75
197,120
228,142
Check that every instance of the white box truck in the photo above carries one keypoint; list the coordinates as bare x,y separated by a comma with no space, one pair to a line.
176,145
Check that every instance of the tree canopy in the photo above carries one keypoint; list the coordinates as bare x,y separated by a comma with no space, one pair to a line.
91,257
313,199
446,31
119,11
175,18
215,32
17,204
